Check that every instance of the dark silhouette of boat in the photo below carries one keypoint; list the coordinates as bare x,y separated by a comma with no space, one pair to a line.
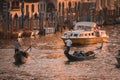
21,57
83,55
86,56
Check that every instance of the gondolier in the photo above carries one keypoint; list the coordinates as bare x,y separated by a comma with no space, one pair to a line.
17,45
68,44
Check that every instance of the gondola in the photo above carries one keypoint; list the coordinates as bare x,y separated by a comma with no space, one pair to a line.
21,56
87,56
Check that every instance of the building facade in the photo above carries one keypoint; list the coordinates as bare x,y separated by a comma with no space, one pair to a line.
47,13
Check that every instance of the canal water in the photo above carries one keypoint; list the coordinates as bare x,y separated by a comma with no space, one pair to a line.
48,62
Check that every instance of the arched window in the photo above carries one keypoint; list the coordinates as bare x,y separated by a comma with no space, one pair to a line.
63,8
59,7
69,5
50,7
63,5
15,5
41,7
27,8
75,6
36,16
44,6
32,8
78,5
16,16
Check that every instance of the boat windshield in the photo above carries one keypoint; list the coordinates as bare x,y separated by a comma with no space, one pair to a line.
75,35
65,34
84,25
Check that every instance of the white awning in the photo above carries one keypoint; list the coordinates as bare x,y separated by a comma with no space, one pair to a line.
85,24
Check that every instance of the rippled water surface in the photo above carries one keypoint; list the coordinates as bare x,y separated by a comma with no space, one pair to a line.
47,61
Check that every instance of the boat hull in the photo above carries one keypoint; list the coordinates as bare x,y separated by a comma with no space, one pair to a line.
87,40
75,58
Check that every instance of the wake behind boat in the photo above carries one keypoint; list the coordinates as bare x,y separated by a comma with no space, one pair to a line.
86,33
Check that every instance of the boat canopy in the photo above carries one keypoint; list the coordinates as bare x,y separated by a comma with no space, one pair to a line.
85,24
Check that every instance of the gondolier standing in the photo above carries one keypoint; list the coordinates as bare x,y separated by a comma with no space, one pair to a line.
17,46
68,44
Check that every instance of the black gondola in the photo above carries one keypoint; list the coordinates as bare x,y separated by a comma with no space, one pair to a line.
87,56
21,57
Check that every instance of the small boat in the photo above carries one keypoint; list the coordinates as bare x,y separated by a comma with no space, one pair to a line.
21,56
85,56
86,33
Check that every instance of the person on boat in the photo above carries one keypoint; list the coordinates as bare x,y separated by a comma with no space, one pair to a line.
75,53
81,54
17,45
68,44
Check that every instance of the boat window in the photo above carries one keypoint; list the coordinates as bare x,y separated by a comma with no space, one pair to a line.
75,35
81,27
85,34
65,34
81,34
71,34
89,34
92,34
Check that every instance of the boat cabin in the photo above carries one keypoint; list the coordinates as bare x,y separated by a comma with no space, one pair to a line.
87,26
85,34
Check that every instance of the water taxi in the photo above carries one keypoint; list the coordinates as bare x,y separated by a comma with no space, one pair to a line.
86,33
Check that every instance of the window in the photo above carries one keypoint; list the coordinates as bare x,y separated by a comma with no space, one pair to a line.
78,5
65,34
44,7
71,34
59,7
27,8
89,34
75,6
85,34
63,8
41,7
38,8
92,34
75,35
69,4
81,34
32,8
15,5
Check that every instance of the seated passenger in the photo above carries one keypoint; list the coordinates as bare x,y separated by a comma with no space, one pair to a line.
75,53
81,54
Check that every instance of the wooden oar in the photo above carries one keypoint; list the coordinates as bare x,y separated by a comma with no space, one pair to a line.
28,48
